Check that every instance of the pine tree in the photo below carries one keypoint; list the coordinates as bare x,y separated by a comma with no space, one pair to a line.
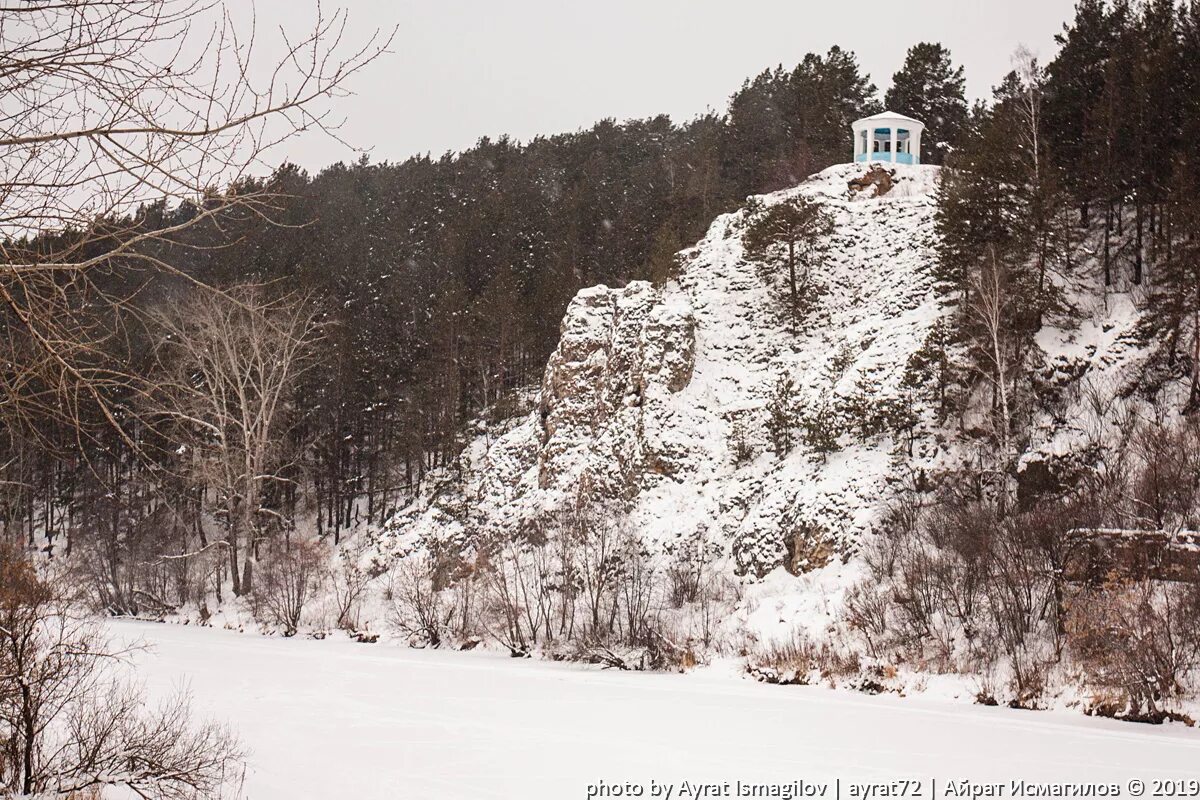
781,416
797,226
821,428
758,131
829,93
1157,125
1175,288
1043,241
783,126
930,88
1075,86
661,264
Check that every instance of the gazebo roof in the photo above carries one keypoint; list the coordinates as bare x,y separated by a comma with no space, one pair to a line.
888,116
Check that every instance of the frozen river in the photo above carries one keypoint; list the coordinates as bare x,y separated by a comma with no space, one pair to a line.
335,719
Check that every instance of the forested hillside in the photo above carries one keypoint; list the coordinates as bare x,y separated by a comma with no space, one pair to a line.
243,385
440,284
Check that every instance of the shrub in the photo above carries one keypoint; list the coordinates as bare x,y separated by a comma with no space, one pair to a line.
1138,640
348,582
71,724
798,660
418,608
287,581
867,614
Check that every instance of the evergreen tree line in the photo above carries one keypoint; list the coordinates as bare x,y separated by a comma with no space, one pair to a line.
1079,175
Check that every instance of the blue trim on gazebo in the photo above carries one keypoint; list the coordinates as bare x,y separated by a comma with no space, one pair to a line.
900,158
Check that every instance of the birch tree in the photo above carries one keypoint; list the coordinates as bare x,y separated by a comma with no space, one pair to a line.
989,309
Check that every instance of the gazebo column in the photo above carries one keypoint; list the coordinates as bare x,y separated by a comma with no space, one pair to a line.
894,142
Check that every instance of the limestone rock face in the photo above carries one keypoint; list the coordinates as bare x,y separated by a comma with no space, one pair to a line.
618,347
658,397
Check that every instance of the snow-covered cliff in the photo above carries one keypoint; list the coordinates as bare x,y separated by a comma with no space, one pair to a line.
658,396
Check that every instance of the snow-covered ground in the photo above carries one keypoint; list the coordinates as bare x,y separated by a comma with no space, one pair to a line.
337,719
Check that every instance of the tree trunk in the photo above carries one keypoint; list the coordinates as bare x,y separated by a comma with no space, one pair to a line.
1137,250
792,284
1194,392
29,723
1108,225
233,562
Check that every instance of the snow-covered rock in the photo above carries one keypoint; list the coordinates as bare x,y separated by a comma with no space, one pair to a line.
649,386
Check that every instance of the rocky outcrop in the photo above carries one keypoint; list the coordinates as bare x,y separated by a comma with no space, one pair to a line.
876,180
618,347
658,397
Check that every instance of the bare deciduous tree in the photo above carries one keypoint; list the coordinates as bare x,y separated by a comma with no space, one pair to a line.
106,106
231,361
989,308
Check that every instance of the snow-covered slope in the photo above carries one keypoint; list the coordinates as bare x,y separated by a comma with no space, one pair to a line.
653,391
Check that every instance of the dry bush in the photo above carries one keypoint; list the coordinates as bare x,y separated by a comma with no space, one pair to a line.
1165,488
661,651
685,571
867,613
1139,640
956,586
898,525
799,660
576,584
517,603
582,585
70,724
1021,609
287,580
692,597
348,582
462,597
718,595
637,593
908,598
596,538
923,623
111,740
418,608
963,537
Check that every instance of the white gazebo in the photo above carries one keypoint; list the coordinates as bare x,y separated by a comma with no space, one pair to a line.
888,137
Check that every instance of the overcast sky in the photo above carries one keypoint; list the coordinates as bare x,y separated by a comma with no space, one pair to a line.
461,69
